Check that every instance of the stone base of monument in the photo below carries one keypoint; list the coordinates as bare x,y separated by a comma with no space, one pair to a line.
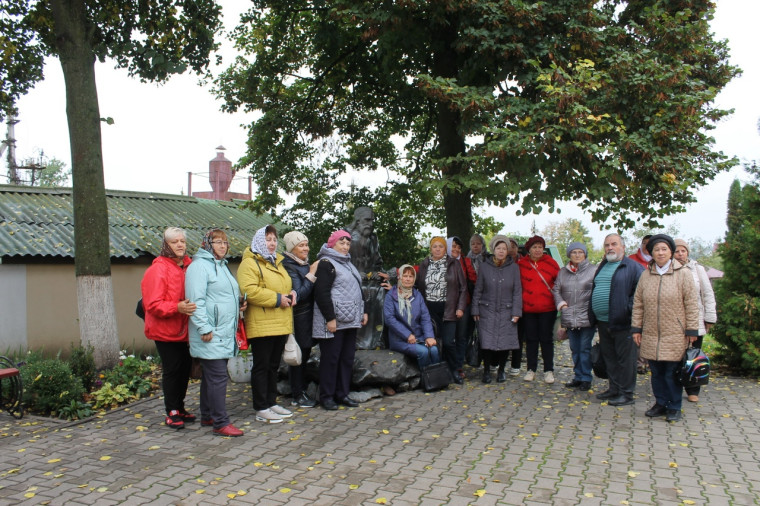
372,369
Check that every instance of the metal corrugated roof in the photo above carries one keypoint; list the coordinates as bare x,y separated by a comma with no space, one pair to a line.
39,221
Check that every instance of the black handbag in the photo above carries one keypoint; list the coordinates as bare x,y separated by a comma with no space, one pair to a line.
695,369
140,309
435,376
597,362
472,352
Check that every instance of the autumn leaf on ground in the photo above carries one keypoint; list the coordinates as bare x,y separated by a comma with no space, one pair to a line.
105,457
480,492
381,500
633,474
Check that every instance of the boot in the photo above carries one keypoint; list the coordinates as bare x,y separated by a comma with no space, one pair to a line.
486,374
501,376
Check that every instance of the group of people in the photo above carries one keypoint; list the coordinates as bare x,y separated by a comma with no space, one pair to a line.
430,315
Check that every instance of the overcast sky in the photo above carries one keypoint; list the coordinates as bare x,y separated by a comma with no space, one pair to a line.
163,132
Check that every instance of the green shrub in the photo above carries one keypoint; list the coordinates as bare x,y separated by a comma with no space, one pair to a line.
49,385
82,363
75,411
132,372
110,396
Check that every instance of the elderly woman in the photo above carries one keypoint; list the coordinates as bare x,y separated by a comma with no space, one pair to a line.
303,277
166,314
572,293
215,291
665,320
538,271
497,306
338,314
410,330
705,301
268,319
478,252
441,281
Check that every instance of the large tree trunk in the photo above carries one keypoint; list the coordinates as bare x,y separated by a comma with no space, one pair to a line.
457,202
97,320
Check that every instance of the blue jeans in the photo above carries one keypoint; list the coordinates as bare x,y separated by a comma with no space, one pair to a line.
665,388
580,346
424,358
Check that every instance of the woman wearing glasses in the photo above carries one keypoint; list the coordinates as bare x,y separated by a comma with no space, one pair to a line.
215,291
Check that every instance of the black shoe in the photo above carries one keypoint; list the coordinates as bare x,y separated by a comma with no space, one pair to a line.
607,394
303,401
584,386
458,379
486,377
655,411
347,401
501,376
620,400
673,415
574,384
329,405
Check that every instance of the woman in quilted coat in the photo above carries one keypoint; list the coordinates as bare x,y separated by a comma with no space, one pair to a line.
665,321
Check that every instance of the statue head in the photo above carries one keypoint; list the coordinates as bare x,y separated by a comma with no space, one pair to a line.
364,221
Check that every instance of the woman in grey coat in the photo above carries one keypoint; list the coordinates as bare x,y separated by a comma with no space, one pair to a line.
497,307
572,292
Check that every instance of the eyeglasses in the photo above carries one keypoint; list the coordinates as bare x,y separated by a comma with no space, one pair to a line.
225,243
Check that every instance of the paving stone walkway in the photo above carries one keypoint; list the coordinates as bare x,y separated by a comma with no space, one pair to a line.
509,443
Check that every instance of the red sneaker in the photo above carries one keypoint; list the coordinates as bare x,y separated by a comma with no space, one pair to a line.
207,422
174,420
228,431
187,417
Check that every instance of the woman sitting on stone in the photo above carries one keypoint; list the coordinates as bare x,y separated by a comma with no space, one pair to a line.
410,330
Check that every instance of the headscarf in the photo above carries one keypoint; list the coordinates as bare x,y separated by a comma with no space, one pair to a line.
450,242
206,242
405,295
436,239
259,245
166,250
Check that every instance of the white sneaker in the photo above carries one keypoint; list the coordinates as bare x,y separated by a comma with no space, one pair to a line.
268,416
530,376
549,377
284,413
514,372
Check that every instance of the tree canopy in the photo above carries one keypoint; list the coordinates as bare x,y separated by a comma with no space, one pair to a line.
483,102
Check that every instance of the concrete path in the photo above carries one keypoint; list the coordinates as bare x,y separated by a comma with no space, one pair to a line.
510,443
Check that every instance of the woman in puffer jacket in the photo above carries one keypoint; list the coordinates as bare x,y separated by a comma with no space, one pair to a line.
664,322
572,292
216,293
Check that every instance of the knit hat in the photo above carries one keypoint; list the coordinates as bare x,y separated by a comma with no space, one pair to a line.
661,238
533,240
577,245
439,239
681,242
293,239
497,239
337,236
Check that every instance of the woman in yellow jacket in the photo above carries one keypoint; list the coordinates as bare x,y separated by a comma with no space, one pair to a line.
268,319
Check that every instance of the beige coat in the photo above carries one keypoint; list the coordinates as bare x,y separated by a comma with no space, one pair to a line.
665,311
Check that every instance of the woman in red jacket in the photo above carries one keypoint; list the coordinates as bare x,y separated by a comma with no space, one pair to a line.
537,273
166,322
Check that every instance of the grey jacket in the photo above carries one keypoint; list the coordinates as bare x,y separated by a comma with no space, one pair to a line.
574,288
497,298
706,296
337,294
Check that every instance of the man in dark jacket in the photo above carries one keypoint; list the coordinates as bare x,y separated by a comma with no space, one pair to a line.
611,307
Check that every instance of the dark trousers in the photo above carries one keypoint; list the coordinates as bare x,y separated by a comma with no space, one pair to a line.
494,357
446,333
297,373
267,353
695,390
336,365
539,329
214,392
620,354
580,347
666,390
461,337
175,366
516,361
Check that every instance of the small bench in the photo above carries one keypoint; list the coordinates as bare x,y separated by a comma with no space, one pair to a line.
11,388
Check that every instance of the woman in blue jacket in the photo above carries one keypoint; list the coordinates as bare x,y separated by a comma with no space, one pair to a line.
216,293
410,330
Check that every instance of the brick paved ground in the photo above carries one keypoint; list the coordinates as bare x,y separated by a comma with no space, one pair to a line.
511,443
